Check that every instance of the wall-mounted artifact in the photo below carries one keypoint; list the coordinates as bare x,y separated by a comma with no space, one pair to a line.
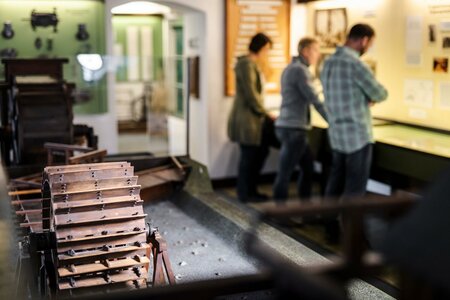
44,20
194,76
38,43
84,48
330,26
440,64
82,33
446,43
7,32
8,53
432,33
49,44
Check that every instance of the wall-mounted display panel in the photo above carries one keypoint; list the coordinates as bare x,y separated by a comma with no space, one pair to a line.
245,18
409,56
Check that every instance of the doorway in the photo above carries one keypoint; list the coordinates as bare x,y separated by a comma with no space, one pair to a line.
149,85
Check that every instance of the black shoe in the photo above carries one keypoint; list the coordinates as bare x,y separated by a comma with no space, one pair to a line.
259,195
255,199
332,233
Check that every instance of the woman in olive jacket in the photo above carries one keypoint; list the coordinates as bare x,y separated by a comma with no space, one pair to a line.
248,119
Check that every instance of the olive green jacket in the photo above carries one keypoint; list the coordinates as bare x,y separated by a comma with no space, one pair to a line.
247,115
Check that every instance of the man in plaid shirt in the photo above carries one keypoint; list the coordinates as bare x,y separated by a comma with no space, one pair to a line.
350,89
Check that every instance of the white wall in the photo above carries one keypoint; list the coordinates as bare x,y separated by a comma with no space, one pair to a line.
195,28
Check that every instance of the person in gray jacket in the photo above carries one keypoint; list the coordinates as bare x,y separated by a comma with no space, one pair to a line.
293,122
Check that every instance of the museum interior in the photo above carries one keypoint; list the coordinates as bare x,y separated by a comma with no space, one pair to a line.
127,169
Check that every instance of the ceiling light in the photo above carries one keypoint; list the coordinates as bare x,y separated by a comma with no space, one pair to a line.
140,8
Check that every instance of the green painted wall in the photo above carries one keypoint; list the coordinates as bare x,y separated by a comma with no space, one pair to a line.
70,14
120,24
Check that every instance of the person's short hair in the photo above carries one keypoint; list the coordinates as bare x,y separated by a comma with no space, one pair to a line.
305,43
360,31
258,42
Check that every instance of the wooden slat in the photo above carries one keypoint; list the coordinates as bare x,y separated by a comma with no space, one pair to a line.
98,207
97,194
96,202
86,167
28,224
33,227
89,175
29,212
109,240
89,205
26,201
24,192
103,221
90,238
93,184
97,214
29,205
86,230
51,112
39,134
158,178
90,256
34,218
89,156
36,228
99,267
168,173
124,276
26,183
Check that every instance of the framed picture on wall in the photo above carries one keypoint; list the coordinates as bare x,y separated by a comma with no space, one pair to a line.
330,26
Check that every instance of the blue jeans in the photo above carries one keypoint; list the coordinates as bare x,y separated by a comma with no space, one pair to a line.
294,151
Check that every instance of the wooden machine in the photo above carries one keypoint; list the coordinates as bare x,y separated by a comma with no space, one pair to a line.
36,107
83,224
95,214
88,230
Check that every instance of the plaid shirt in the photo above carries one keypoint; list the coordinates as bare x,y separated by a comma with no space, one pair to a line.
349,86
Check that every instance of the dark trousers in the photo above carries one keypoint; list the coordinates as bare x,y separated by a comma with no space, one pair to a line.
348,177
349,173
250,165
294,152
